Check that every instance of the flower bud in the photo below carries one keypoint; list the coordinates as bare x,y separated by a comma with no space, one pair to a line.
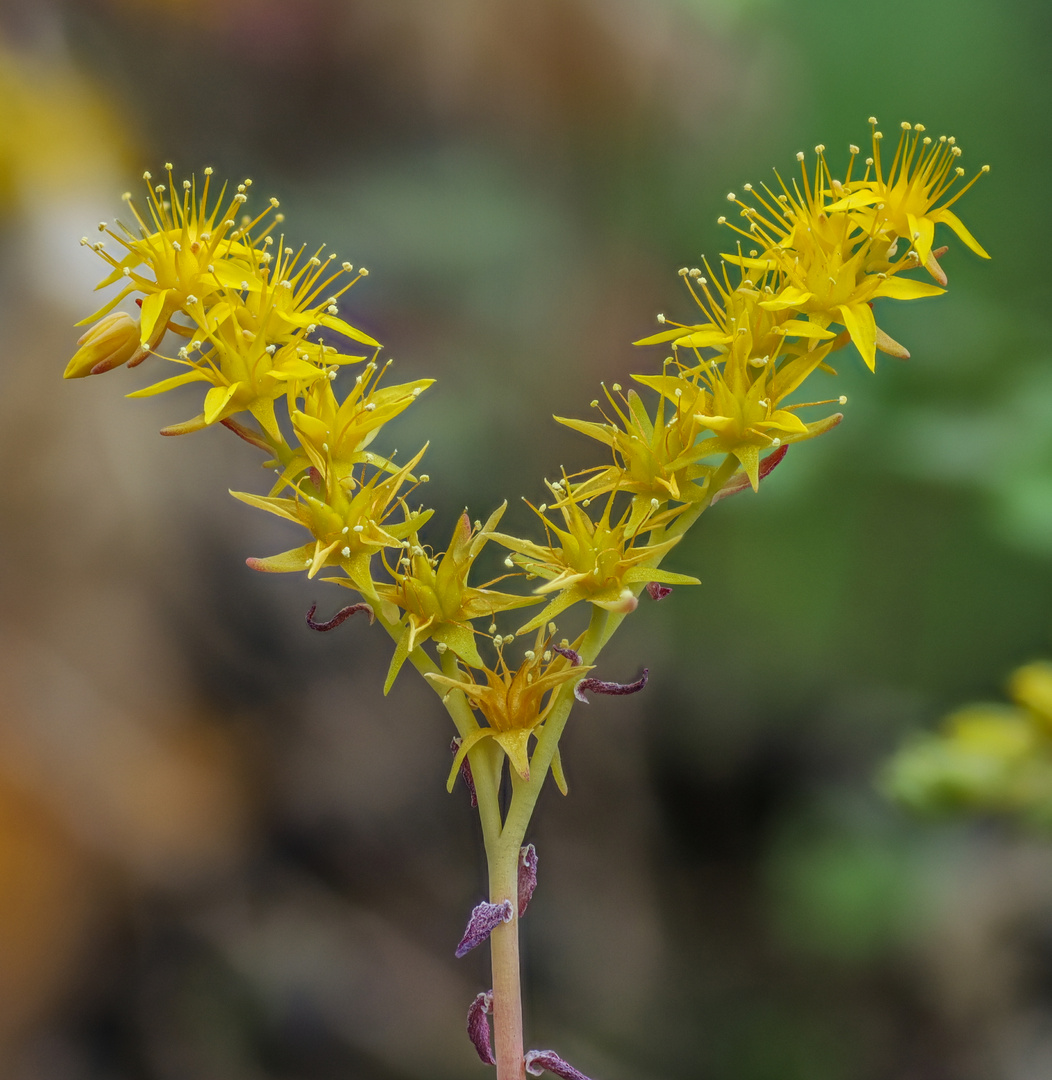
112,341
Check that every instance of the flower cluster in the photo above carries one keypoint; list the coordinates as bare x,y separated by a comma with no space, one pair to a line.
994,759
257,322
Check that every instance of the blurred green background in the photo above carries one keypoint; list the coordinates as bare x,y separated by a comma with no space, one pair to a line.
223,853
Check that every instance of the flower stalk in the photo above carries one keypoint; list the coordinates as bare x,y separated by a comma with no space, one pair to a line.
256,319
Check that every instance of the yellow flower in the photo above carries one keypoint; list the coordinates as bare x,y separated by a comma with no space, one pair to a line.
903,203
512,703
824,260
349,521
653,458
191,251
436,598
734,316
739,401
246,374
334,435
598,561
288,297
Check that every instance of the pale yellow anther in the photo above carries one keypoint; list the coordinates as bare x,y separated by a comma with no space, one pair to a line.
799,155
721,220
616,387
731,197
363,272
872,120
820,148
853,149
842,399
347,266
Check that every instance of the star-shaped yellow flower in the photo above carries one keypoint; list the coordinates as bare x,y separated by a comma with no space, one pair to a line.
512,703
434,594
906,202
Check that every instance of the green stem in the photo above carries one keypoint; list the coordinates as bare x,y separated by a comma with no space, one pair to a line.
504,954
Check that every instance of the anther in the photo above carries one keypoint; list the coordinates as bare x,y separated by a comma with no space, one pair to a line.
440,647
509,564
842,399
800,155
363,272
820,148
721,220
731,197
359,528
853,149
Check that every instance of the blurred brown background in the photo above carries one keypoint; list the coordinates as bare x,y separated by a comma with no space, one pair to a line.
222,853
